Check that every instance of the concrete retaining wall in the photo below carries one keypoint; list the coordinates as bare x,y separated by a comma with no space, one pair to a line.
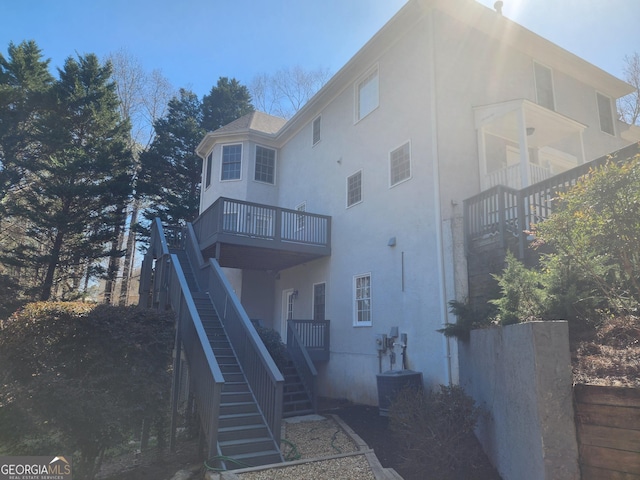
521,376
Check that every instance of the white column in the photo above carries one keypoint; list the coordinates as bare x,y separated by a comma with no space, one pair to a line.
524,150
482,154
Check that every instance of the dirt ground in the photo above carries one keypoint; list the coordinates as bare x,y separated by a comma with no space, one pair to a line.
374,430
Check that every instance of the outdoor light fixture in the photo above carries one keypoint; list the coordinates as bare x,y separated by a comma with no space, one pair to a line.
530,131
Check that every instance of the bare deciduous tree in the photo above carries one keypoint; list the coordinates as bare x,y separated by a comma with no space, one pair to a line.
287,90
143,99
629,106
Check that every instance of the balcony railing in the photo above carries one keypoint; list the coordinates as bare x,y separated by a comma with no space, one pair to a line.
512,176
273,226
315,335
503,212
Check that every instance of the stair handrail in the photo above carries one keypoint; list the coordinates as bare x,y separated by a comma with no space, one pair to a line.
204,370
261,372
301,359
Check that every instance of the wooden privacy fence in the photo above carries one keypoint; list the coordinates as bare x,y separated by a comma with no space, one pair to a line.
608,426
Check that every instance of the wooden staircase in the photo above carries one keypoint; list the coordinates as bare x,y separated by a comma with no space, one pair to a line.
296,400
244,439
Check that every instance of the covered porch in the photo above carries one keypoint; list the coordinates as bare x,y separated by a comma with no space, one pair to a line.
521,143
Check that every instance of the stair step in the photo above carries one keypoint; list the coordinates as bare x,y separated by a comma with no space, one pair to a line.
242,431
238,407
254,459
231,448
235,387
240,419
235,397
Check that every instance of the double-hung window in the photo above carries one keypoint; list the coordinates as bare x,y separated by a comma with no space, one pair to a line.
231,162
544,86
367,94
265,165
354,189
362,300
605,112
400,164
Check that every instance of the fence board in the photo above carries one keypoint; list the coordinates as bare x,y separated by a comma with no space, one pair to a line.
608,421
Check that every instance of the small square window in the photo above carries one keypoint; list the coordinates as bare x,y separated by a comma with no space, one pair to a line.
231,162
400,164
605,112
362,300
316,130
354,188
367,95
265,165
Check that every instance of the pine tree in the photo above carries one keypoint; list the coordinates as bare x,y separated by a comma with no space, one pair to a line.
171,171
226,102
79,177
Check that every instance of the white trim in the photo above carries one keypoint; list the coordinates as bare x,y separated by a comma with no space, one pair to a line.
611,111
356,93
354,301
208,170
275,163
313,299
222,161
391,185
535,84
361,189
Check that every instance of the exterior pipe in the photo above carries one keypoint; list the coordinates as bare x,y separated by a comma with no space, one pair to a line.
436,193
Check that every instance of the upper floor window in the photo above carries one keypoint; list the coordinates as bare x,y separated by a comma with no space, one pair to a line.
367,94
209,166
362,300
400,164
605,112
265,165
354,188
544,86
316,130
231,162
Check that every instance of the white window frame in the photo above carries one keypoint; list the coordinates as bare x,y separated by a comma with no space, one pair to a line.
611,113
222,162
349,205
255,164
391,166
370,80
359,297
316,127
313,300
552,86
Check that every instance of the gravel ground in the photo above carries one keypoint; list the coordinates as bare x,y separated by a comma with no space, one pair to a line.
319,447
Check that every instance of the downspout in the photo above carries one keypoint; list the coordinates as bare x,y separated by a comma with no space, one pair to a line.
436,193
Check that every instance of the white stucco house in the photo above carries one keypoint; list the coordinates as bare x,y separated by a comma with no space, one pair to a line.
448,99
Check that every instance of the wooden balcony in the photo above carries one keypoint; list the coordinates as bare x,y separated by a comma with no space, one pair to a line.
253,236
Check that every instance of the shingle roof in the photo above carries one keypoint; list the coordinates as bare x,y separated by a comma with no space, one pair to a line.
256,121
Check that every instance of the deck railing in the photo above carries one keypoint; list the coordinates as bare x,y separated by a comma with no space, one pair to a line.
205,373
315,335
304,365
266,381
502,211
262,222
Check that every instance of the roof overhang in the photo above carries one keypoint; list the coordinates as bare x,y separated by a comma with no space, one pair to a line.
502,120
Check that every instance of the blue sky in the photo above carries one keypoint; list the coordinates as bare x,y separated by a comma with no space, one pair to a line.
193,42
